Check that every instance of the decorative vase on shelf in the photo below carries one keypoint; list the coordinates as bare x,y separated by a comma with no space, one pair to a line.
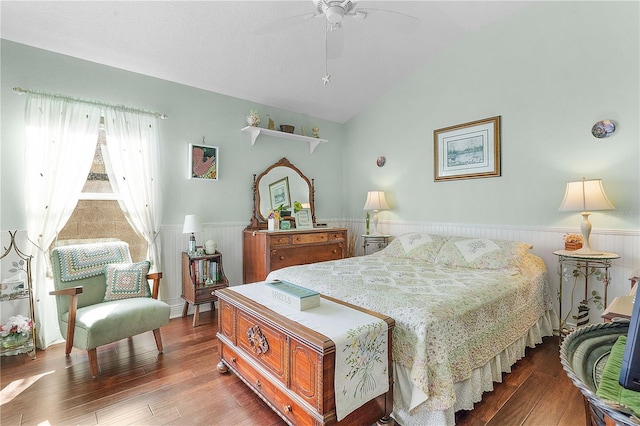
253,119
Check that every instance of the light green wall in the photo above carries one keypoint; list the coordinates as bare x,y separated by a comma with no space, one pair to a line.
551,71
193,113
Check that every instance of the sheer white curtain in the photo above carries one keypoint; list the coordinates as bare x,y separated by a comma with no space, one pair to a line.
61,140
132,161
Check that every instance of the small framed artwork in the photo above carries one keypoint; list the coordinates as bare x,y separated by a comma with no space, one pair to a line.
279,193
203,161
303,219
467,151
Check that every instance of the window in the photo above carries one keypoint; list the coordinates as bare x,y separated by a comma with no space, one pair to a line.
98,215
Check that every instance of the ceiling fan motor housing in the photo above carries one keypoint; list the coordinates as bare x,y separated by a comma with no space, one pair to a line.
334,11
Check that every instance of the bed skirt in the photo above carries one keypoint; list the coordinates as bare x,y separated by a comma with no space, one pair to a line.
408,407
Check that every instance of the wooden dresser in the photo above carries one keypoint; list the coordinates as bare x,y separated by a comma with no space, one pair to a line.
291,367
265,251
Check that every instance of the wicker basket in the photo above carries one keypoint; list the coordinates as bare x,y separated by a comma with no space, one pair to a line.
582,355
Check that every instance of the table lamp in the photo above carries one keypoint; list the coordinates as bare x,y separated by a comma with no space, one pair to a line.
375,201
585,196
191,225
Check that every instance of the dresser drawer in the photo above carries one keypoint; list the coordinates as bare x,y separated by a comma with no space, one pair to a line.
266,345
289,256
335,236
320,237
280,240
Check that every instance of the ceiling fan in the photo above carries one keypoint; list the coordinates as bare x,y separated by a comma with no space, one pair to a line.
335,12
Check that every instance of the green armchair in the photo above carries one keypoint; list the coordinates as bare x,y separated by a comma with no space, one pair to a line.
103,297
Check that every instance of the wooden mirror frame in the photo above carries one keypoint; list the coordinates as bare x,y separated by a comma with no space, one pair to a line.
257,220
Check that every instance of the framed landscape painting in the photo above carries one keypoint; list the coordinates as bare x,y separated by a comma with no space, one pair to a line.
467,151
279,193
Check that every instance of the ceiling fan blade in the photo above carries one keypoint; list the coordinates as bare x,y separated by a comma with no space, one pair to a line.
335,42
393,21
284,23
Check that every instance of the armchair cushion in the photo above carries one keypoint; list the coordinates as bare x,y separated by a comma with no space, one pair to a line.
126,280
107,322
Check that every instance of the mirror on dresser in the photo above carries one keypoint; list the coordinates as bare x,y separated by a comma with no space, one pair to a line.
263,250
300,189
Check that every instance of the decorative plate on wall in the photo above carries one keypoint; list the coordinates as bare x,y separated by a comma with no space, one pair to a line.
603,129
381,161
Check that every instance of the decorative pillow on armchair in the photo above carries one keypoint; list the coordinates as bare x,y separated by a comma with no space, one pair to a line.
415,245
482,253
125,280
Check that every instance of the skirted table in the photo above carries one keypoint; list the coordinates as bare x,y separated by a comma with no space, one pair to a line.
583,355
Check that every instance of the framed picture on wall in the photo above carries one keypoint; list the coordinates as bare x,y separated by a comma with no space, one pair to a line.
467,151
203,161
279,193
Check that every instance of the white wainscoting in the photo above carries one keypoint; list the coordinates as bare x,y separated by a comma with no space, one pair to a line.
545,241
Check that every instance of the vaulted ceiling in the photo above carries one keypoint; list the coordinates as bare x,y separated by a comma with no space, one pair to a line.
210,44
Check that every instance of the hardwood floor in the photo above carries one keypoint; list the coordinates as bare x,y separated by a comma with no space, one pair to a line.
138,386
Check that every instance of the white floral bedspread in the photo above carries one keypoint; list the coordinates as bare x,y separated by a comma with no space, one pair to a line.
448,320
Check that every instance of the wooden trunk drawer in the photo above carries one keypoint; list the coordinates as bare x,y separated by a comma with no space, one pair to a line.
278,398
289,256
266,345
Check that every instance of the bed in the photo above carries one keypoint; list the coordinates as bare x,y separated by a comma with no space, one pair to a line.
465,310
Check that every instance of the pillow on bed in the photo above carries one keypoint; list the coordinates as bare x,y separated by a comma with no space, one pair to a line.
415,246
481,253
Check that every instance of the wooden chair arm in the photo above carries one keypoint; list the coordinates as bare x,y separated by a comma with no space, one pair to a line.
155,286
73,292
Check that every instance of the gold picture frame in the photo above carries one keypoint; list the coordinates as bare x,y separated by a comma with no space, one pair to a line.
467,151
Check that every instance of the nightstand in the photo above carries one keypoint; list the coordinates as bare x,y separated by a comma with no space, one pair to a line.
597,264
201,275
378,242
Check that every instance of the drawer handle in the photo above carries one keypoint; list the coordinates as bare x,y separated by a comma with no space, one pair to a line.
335,251
288,408
258,383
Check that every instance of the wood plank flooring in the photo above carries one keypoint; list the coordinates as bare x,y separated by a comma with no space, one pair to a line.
138,386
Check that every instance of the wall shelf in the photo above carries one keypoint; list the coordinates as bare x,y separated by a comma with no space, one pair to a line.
257,131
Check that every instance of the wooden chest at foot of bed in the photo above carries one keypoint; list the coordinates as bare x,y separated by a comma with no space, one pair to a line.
290,366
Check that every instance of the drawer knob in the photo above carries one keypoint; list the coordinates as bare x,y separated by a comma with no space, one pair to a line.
335,251
258,383
287,408
281,257
233,359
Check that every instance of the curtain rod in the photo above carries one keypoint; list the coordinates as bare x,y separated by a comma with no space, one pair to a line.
21,91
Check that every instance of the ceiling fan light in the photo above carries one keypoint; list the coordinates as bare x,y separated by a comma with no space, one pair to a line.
334,14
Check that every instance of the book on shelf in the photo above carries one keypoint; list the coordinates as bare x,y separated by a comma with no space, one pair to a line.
292,295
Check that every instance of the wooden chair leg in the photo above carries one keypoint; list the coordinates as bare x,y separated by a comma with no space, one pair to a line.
93,362
158,337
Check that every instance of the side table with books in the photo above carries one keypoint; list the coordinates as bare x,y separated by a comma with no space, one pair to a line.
201,275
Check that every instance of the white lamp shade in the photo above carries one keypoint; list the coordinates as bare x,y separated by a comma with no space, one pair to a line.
585,195
376,201
191,224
